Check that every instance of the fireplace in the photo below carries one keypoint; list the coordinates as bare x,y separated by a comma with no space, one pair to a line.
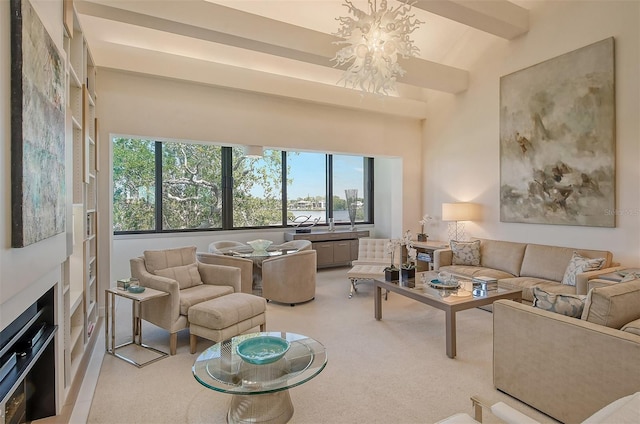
27,364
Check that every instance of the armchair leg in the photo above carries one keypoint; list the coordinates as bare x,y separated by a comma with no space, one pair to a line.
193,341
173,343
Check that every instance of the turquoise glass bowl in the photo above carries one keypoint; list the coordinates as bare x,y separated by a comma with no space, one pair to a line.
135,289
262,350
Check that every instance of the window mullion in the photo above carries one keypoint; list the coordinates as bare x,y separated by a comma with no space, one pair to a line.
158,190
227,188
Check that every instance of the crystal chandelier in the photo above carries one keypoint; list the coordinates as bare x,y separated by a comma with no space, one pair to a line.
373,42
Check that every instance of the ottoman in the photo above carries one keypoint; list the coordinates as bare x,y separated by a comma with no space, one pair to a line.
225,317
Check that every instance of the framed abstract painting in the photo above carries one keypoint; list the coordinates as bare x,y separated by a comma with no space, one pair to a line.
557,140
37,130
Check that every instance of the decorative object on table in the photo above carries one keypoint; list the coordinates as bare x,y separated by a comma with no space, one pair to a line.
408,268
351,194
260,245
449,285
123,283
425,219
556,117
332,225
136,289
262,350
457,213
304,223
485,283
373,41
38,200
392,273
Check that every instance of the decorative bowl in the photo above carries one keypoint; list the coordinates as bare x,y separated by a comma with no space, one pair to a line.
262,350
260,245
135,289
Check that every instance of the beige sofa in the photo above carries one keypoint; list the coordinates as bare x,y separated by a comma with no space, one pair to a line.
525,265
567,367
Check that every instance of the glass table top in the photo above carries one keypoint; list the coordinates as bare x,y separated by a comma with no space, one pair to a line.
220,367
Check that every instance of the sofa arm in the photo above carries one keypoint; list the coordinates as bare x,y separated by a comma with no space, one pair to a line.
541,357
221,275
582,279
442,257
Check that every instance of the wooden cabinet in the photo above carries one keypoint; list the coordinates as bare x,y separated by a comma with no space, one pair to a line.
333,248
80,271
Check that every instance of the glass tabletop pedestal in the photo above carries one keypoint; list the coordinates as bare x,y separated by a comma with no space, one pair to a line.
260,392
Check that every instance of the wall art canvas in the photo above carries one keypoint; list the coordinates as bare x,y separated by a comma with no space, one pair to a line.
557,140
37,129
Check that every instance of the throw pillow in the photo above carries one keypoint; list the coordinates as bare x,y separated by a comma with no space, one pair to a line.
465,252
570,305
186,275
579,264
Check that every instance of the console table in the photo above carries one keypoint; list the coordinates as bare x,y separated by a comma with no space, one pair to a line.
333,248
427,247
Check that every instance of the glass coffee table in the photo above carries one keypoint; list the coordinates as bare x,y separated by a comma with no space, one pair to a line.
260,392
448,300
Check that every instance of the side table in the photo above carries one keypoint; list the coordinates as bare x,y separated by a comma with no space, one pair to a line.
137,299
425,247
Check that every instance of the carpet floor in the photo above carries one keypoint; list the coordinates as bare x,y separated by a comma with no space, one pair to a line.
389,371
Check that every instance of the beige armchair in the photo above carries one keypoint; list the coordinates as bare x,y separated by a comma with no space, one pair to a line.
188,282
300,245
290,278
221,246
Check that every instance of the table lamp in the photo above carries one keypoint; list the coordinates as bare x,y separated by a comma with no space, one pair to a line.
457,213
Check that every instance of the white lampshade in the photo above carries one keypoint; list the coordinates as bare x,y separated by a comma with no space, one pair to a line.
459,211
253,151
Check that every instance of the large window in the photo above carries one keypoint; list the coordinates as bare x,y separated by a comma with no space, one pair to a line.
179,186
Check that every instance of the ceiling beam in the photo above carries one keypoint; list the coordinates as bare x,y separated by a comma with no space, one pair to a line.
498,17
256,33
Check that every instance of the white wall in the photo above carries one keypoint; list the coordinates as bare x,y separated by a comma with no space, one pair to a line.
461,137
26,273
140,105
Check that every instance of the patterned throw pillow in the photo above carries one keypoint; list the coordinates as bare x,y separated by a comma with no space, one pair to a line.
570,305
186,275
465,252
579,264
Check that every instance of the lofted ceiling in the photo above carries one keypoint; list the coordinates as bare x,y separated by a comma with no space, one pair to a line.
284,47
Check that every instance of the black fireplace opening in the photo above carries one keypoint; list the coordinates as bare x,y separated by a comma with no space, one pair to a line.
27,363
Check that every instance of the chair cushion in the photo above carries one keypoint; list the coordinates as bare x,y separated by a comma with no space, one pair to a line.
613,306
202,293
168,258
186,275
579,264
465,252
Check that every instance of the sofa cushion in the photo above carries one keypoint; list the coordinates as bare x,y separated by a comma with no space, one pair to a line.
550,262
632,327
579,264
475,271
168,258
613,306
570,305
526,284
502,255
186,275
465,252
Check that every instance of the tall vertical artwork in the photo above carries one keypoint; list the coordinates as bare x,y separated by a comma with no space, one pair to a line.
37,130
557,140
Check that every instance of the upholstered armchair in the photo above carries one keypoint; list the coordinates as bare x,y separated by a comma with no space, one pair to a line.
221,246
188,282
290,278
300,245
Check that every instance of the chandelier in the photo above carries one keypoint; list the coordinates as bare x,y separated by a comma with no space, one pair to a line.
373,42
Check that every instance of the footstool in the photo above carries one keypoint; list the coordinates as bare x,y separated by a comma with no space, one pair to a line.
225,317
365,272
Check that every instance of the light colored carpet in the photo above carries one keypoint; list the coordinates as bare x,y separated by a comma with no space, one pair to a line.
389,371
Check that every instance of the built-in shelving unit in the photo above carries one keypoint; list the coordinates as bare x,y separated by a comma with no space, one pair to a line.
80,270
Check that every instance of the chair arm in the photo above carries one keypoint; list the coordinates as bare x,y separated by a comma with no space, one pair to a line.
221,275
442,257
582,279
510,415
245,265
139,271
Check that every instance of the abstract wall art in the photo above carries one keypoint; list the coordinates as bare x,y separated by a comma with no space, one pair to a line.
37,129
557,140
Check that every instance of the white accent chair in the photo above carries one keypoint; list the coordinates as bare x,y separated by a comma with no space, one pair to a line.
371,262
625,410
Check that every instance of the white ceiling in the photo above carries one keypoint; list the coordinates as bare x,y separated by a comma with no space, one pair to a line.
284,47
